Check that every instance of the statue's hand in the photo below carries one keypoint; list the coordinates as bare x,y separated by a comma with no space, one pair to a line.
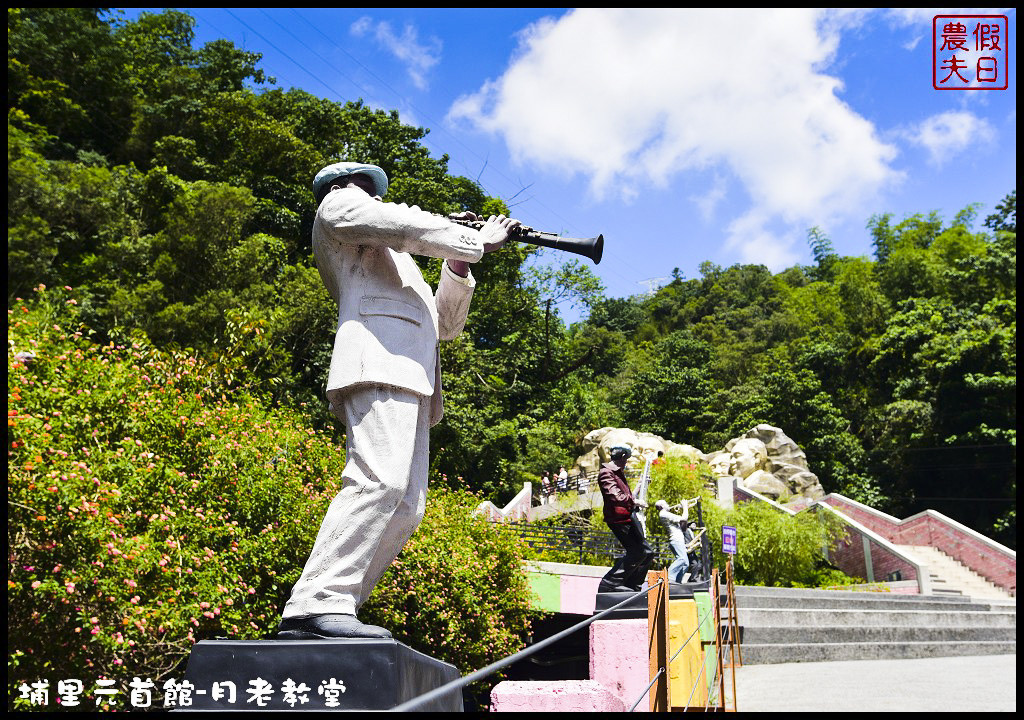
496,231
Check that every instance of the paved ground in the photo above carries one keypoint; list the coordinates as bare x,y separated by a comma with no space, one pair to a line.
980,683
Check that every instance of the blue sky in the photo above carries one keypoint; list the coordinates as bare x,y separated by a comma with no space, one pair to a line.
681,135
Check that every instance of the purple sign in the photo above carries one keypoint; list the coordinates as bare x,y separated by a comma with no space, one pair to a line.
729,539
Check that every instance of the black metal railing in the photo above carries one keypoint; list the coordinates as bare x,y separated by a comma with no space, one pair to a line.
581,542
579,484
584,483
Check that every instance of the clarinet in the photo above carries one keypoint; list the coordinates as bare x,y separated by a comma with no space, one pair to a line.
592,248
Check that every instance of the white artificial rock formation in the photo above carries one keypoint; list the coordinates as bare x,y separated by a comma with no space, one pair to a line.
767,461
763,459
598,444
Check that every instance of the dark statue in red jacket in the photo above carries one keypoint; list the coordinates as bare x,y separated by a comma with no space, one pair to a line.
620,508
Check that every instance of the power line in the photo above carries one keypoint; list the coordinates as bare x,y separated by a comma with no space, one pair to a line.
335,92
359,86
439,126
433,122
296,63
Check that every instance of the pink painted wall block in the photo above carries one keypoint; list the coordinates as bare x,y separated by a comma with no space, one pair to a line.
579,594
554,696
619,659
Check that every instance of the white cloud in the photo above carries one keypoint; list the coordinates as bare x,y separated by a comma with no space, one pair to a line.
948,134
909,45
417,57
750,237
708,201
361,26
916,16
627,97
924,16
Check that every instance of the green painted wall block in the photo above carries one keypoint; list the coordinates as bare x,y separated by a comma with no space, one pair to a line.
547,591
706,614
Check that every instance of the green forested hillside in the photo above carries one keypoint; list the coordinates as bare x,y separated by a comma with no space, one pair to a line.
170,187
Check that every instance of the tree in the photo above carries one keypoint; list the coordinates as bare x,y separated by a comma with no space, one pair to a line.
66,75
1004,219
624,315
824,253
864,306
669,395
950,374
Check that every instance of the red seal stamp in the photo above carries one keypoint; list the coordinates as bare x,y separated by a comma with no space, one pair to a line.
970,52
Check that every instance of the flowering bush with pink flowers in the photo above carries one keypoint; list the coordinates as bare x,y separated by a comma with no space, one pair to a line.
458,590
153,503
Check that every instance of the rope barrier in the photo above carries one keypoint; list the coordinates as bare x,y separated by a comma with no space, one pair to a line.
700,674
687,641
661,671
714,677
711,684
495,666
683,647
696,685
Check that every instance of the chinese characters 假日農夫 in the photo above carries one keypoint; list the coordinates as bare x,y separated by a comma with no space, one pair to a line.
969,52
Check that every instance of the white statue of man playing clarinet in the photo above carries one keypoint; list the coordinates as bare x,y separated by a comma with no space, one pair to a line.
384,382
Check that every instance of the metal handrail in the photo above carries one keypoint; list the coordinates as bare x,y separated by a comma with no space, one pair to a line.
711,684
579,481
584,540
672,659
525,652
580,540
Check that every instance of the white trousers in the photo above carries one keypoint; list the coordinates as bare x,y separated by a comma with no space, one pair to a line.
380,505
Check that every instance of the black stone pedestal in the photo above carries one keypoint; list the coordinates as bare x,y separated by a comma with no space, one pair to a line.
638,607
348,674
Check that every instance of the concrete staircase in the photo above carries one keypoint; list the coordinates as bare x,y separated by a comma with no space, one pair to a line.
950,576
783,625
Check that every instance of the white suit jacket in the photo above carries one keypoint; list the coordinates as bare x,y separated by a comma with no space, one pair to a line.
389,320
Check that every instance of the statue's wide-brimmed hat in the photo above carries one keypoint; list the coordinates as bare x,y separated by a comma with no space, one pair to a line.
339,170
